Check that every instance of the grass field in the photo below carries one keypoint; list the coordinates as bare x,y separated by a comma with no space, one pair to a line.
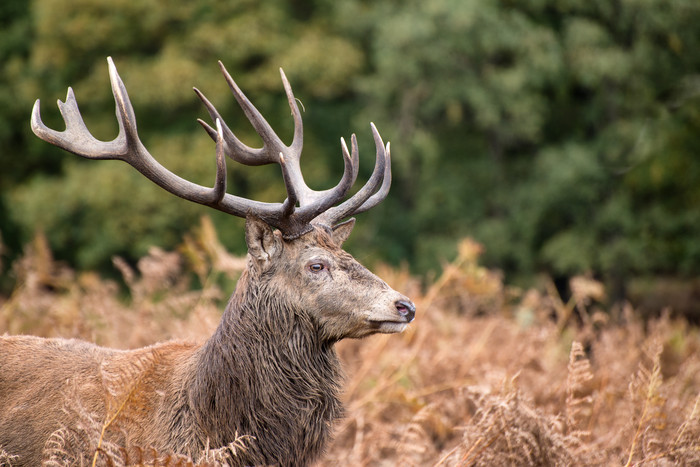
487,374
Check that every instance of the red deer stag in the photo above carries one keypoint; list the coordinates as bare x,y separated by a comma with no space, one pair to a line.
270,369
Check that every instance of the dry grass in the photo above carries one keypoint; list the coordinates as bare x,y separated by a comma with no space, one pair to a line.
488,375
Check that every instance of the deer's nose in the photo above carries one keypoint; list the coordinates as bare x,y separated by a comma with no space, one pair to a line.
406,308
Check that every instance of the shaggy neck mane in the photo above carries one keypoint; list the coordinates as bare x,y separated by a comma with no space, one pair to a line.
265,373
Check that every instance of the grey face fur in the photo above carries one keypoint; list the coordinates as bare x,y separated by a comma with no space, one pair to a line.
337,293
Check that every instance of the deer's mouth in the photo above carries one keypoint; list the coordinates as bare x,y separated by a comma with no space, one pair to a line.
388,327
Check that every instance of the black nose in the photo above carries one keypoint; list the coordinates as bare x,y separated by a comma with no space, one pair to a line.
406,309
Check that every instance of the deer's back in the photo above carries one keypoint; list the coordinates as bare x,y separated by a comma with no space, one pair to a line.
46,384
36,375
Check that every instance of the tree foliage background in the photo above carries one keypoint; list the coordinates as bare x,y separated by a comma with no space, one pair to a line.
562,134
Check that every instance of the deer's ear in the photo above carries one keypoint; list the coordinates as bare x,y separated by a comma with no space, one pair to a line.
263,243
342,231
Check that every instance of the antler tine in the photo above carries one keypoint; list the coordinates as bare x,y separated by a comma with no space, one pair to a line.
380,195
272,144
298,140
233,147
292,197
219,190
213,113
355,155
75,138
324,200
294,179
367,196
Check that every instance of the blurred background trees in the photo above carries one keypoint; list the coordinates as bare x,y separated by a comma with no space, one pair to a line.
563,135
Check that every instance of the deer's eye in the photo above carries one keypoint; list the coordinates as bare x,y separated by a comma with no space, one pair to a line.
316,267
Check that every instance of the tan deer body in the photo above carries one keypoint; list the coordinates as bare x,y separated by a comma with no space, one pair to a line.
47,384
269,371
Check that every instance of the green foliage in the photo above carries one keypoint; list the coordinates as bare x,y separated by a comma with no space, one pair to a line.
87,218
546,124
562,134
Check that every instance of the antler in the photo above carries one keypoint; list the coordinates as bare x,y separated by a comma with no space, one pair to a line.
293,217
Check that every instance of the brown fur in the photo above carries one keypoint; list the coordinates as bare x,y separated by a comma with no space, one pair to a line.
269,370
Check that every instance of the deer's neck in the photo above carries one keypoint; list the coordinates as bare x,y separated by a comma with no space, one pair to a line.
265,373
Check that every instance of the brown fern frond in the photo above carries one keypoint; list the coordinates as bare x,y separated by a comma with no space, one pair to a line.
122,379
7,459
578,392
422,436
226,455
72,444
685,449
122,376
507,430
646,386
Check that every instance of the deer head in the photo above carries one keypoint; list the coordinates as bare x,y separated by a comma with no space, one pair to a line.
323,283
